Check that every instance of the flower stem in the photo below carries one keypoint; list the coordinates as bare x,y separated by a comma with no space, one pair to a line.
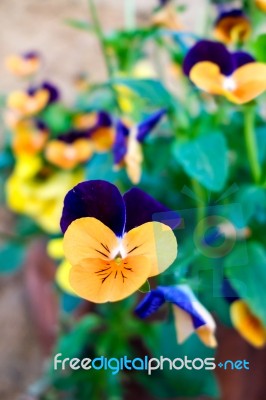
130,14
200,199
99,32
251,143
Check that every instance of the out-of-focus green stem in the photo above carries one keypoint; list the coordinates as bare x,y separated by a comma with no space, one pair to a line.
130,14
251,143
99,32
200,198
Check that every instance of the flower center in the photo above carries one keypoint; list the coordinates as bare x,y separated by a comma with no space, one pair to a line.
229,83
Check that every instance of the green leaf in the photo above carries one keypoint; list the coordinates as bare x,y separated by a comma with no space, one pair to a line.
145,288
259,48
58,118
72,343
12,256
79,24
205,159
249,280
101,167
151,90
253,203
184,383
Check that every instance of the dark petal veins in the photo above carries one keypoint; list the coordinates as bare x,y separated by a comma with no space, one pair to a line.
207,50
145,127
178,297
142,208
97,199
150,304
120,143
241,58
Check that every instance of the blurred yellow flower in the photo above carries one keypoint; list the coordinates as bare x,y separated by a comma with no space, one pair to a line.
247,324
261,4
23,65
39,193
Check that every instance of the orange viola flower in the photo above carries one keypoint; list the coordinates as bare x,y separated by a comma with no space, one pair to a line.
32,101
70,150
236,76
23,65
29,137
232,26
113,242
99,128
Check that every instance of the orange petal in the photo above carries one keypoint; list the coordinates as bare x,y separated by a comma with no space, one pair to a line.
84,149
68,156
89,238
133,160
156,242
99,280
207,76
103,139
247,324
250,82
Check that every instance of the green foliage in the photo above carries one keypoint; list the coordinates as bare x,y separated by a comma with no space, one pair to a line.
205,159
249,279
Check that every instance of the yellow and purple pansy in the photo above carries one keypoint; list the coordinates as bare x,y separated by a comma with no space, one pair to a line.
189,314
237,76
23,65
69,150
99,128
248,325
232,26
127,148
32,101
113,242
29,137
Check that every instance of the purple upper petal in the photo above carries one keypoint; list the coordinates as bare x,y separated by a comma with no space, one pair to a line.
207,50
31,54
229,292
145,127
233,13
72,136
241,58
142,208
150,304
120,143
174,295
104,119
53,91
97,199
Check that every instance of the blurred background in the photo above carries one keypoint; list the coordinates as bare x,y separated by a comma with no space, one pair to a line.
40,24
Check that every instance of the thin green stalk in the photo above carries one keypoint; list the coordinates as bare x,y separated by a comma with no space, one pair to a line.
251,143
130,14
200,204
99,32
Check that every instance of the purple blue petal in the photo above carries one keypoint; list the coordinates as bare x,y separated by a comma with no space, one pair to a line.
142,208
98,199
145,127
120,143
207,50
